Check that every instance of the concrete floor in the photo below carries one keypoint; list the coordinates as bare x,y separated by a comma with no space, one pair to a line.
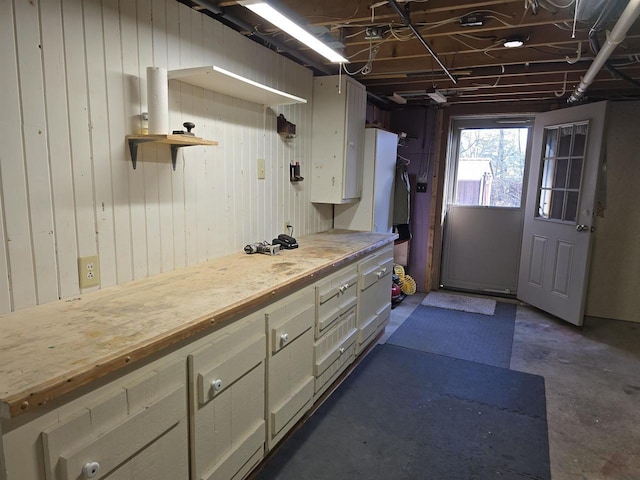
592,379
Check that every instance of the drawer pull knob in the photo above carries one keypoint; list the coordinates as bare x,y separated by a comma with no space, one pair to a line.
379,274
284,338
342,288
90,469
216,385
341,350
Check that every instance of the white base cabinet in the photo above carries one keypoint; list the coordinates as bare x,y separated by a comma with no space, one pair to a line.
374,296
134,428
212,408
289,362
226,380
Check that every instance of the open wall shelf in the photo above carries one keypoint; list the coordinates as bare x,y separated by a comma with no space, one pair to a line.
175,141
222,81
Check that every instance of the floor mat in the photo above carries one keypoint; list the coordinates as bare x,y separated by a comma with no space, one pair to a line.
464,303
405,414
469,336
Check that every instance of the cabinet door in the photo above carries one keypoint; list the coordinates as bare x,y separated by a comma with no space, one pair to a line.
354,147
290,362
226,377
374,296
337,144
139,433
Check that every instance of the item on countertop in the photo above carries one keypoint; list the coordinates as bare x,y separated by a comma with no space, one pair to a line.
285,241
262,247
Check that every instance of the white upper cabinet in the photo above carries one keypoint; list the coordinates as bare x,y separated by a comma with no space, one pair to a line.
337,146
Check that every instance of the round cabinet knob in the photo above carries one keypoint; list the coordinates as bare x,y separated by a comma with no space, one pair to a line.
341,350
90,469
216,385
284,338
379,274
343,288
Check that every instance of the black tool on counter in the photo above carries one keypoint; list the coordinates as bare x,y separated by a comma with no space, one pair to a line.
285,241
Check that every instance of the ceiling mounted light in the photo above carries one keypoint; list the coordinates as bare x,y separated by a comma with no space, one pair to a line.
437,96
513,42
399,99
276,18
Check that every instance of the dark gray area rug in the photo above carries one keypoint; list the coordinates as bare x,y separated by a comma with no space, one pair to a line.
405,414
469,336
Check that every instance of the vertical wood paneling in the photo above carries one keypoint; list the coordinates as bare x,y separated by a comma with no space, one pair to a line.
165,203
30,77
99,137
86,91
59,147
78,118
133,86
120,161
14,187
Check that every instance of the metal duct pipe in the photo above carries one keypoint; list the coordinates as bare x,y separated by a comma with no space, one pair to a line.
407,21
216,10
628,16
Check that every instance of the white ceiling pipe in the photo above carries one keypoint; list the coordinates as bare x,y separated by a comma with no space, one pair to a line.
629,15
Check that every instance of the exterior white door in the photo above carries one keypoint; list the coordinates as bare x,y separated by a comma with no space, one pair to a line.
564,166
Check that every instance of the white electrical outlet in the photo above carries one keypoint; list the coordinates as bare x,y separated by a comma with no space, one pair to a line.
89,271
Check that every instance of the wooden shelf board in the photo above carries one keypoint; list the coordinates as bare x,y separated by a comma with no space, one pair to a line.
185,140
220,80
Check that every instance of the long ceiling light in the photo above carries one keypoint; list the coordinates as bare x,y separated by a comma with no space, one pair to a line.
276,18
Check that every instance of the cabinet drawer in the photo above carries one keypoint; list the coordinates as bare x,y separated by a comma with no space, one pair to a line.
366,331
290,329
334,297
335,343
112,437
227,378
376,270
331,374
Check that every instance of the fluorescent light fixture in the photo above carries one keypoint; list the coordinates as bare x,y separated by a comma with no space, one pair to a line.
274,17
513,42
437,97
399,99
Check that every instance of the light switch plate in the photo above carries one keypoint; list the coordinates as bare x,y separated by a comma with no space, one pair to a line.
89,271
261,169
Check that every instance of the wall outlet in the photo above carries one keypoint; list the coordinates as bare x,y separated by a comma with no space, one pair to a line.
261,168
89,271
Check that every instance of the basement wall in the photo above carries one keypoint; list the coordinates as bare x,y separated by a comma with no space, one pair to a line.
73,84
614,281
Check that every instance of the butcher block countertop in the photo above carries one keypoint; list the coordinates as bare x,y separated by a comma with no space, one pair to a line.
53,349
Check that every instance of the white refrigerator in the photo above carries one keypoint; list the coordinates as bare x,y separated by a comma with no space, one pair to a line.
373,212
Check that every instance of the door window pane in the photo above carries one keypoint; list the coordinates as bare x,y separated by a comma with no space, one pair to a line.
561,173
572,206
560,176
566,134
490,166
575,173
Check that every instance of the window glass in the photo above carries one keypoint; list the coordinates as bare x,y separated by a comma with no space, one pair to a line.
490,166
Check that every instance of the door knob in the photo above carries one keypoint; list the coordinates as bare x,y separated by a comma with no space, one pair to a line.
582,228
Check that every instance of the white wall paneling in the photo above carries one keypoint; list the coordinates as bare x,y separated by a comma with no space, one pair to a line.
73,85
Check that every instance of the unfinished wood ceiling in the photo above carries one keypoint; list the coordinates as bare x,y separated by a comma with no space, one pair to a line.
467,38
